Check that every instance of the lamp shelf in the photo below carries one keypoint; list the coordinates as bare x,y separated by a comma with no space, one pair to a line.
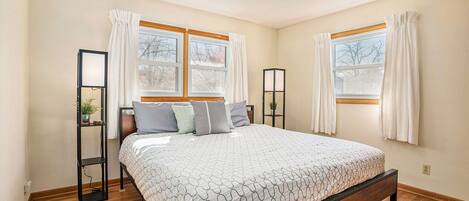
93,87
274,91
275,115
92,161
91,124
94,196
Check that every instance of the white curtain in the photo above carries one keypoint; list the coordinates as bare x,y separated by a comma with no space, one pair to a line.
324,104
123,62
237,84
400,97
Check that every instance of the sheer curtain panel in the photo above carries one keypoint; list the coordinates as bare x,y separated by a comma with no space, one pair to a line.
400,97
323,118
123,64
237,85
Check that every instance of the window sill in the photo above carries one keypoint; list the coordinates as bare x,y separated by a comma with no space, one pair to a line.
178,99
357,101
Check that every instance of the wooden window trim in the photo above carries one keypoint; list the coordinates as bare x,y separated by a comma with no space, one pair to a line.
351,33
357,101
185,82
161,26
208,34
185,71
179,99
358,31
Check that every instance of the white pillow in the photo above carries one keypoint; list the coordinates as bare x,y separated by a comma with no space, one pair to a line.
185,118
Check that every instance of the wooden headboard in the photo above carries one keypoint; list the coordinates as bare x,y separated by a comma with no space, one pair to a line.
127,124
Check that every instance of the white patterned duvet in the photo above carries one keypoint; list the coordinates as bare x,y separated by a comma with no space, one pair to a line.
256,162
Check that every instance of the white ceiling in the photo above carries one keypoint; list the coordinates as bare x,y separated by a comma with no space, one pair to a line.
272,13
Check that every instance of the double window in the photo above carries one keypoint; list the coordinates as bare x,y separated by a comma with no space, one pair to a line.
358,65
168,68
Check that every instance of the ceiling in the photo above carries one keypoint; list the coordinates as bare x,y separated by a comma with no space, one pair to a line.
271,13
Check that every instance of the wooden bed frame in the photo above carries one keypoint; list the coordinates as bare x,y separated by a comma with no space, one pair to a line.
375,189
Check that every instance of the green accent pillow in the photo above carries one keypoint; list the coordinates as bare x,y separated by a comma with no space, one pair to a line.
185,118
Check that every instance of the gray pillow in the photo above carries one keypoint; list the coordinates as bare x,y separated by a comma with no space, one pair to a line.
239,114
228,115
154,118
210,118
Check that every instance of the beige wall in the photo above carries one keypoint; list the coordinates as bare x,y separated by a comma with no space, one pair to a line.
58,29
444,53
14,98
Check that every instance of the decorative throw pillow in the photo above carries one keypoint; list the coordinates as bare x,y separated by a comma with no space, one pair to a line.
239,114
228,116
154,118
185,118
210,118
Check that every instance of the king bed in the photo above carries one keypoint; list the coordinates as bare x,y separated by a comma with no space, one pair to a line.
255,162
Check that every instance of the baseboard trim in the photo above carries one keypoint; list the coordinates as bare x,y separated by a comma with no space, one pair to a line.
425,193
60,192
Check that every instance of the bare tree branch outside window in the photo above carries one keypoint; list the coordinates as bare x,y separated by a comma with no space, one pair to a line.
360,52
207,55
161,49
354,57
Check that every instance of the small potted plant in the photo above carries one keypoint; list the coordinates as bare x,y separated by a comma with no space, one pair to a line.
273,107
87,109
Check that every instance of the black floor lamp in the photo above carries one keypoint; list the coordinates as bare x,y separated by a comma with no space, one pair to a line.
273,84
92,75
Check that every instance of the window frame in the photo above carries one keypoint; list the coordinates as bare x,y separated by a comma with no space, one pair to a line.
179,65
224,69
349,35
185,77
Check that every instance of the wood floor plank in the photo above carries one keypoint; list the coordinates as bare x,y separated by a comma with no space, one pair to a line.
130,194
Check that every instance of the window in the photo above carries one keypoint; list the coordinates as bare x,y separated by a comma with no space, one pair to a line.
207,66
358,65
179,64
160,62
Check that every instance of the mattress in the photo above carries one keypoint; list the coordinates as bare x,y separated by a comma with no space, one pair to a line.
256,162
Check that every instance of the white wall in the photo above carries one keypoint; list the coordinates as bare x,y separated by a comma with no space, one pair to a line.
58,29
444,71
13,98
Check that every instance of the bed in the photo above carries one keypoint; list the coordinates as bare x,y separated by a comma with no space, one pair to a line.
256,162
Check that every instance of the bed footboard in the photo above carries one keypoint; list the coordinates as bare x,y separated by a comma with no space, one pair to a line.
378,188
375,189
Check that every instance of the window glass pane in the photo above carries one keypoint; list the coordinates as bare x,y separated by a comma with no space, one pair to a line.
207,81
359,82
156,47
359,52
207,54
157,78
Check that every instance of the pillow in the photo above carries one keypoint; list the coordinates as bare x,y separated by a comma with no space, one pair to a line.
210,118
184,117
154,118
228,116
239,114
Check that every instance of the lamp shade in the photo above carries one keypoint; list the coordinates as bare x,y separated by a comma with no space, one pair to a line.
274,77
93,66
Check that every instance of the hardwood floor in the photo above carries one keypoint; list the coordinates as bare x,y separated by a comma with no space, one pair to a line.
130,194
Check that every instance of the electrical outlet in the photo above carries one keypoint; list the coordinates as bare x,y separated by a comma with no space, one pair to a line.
27,187
426,169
